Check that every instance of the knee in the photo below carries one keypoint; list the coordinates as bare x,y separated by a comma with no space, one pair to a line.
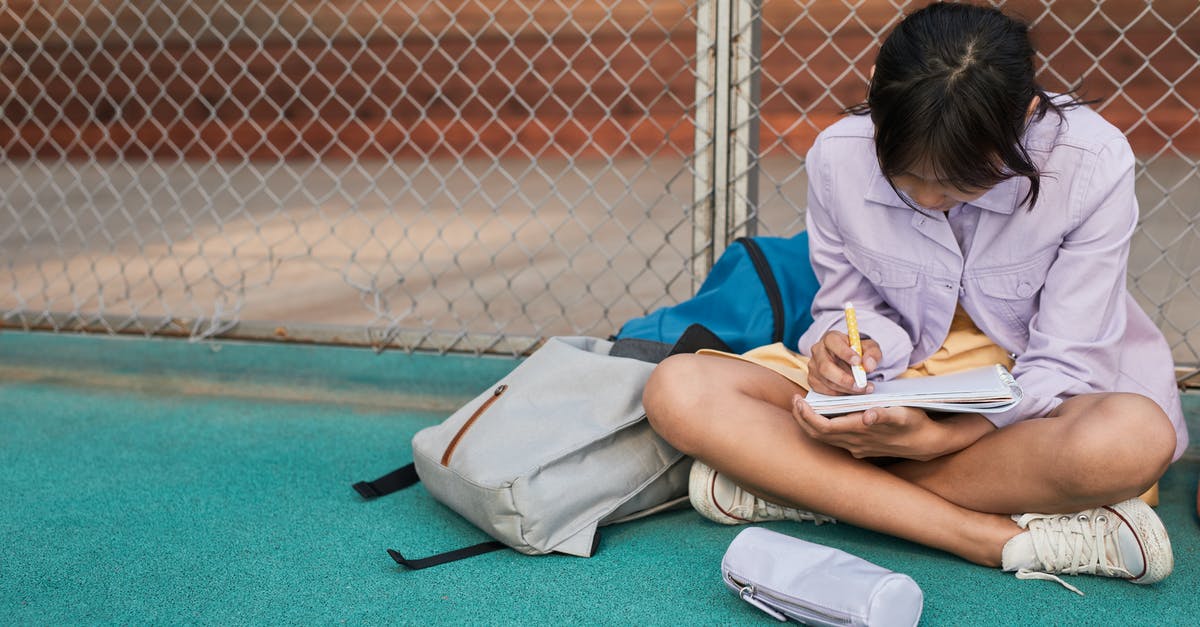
1127,437
674,398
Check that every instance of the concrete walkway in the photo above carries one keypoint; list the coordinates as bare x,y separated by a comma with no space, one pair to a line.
443,248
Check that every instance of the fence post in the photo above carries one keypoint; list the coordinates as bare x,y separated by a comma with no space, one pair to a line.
725,187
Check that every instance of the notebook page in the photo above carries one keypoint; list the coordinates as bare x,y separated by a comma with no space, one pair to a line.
988,387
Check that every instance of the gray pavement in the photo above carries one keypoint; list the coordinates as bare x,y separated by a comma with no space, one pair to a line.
439,249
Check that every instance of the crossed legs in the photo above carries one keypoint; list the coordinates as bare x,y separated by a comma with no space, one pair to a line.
736,416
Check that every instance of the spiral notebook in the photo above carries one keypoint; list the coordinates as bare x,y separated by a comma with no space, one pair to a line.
988,389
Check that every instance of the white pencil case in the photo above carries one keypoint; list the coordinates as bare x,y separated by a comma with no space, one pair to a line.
787,577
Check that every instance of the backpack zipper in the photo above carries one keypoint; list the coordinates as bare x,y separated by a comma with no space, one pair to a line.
767,277
470,421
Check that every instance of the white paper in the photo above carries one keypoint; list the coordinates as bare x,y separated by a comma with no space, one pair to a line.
988,389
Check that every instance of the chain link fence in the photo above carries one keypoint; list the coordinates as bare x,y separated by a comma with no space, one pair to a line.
457,175
474,175
1140,59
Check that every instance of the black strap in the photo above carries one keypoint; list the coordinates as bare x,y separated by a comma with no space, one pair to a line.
763,268
697,337
448,556
643,350
398,479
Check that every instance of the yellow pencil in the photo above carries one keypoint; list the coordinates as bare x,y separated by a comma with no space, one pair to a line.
860,375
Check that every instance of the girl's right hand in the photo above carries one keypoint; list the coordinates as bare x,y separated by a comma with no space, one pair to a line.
829,368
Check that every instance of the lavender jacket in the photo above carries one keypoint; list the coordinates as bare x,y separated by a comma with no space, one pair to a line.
1046,285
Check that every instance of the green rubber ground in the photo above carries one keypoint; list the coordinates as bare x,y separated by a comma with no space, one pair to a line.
157,481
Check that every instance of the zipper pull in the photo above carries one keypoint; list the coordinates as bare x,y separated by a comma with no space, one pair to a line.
747,594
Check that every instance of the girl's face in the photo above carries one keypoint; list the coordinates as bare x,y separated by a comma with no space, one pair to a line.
928,192
924,189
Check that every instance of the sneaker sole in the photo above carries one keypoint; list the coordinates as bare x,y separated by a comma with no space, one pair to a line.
1152,535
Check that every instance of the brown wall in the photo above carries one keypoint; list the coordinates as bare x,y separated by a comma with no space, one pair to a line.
380,80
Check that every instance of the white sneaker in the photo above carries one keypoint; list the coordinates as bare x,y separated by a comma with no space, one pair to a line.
1126,540
720,500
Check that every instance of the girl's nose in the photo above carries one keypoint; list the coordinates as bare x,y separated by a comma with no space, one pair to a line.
928,197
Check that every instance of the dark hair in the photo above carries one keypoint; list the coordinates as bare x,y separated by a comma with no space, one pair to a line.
952,86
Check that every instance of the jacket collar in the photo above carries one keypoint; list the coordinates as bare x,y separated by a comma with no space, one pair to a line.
1002,198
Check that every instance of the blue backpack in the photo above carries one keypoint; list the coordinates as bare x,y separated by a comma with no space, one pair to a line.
759,292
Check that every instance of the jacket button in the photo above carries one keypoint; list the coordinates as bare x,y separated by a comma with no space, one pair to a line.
1024,290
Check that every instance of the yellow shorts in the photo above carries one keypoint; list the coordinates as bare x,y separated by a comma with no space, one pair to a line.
965,347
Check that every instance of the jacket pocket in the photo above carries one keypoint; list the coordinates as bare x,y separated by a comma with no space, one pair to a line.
894,280
1014,295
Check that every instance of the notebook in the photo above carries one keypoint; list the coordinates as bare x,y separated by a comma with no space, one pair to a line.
988,389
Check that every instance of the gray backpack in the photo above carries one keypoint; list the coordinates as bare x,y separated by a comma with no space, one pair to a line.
556,449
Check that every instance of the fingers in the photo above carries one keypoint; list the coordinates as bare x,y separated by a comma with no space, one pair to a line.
897,416
824,428
838,345
844,432
876,432
810,421
817,425
829,369
872,355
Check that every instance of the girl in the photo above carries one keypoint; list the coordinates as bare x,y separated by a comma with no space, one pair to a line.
972,218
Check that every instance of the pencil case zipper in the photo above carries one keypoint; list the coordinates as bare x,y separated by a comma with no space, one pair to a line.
500,389
782,606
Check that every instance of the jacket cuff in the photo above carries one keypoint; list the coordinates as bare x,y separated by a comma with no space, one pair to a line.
894,343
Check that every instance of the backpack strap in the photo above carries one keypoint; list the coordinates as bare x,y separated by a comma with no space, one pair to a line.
770,285
693,338
448,556
398,479
697,337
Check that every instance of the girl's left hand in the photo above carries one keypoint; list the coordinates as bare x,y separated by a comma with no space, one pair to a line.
905,432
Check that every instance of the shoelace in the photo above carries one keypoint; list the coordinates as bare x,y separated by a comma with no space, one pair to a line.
768,509
1069,545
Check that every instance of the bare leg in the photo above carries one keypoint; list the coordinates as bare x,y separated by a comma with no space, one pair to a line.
1093,450
736,417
